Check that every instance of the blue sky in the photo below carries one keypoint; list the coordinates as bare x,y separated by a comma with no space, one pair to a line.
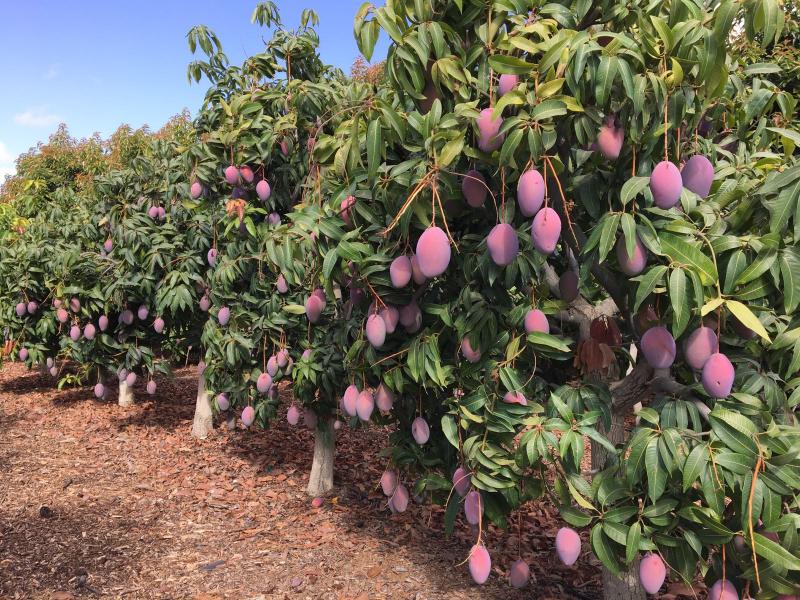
94,64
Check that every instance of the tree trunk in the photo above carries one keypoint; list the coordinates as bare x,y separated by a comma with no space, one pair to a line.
44,372
203,423
230,421
125,394
625,394
320,481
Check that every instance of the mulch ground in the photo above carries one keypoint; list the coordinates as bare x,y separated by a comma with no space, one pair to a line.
100,501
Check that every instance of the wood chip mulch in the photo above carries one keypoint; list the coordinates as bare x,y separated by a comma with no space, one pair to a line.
98,501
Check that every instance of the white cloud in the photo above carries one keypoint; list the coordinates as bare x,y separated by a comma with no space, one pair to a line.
6,163
52,71
5,155
36,116
6,170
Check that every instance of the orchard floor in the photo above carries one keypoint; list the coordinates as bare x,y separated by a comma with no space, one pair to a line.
101,501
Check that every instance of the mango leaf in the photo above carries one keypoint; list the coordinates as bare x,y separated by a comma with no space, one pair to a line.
682,252
510,65
680,301
746,317
775,553
648,283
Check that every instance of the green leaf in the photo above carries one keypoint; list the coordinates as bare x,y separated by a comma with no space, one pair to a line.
608,234
790,273
629,231
632,542
694,465
603,549
450,430
684,253
295,309
648,283
548,109
451,513
775,553
680,301
656,474
450,152
604,78
711,306
632,188
733,430
664,32
746,317
510,65
373,147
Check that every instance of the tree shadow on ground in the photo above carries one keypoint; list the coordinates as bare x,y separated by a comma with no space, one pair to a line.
170,408
361,515
64,547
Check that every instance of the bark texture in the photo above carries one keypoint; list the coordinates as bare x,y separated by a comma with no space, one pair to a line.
203,423
125,394
320,481
625,393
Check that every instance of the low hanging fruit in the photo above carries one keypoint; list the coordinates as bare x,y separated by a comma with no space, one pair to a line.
433,252
293,415
365,404
506,83
89,331
718,375
314,308
151,387
281,285
263,190
536,321
248,416
398,503
518,574
631,264
503,244
474,188
400,272
420,430
489,137
609,140
530,192
473,507
652,573
391,317
224,315
569,286
417,275
223,403
350,400
480,564
700,345
723,590
462,481
384,398
472,355
232,175
99,390
375,330
697,175
263,383
568,545
666,184
388,482
102,322
658,347
546,230
515,398
411,317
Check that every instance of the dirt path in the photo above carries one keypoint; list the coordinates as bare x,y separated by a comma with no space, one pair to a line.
99,501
